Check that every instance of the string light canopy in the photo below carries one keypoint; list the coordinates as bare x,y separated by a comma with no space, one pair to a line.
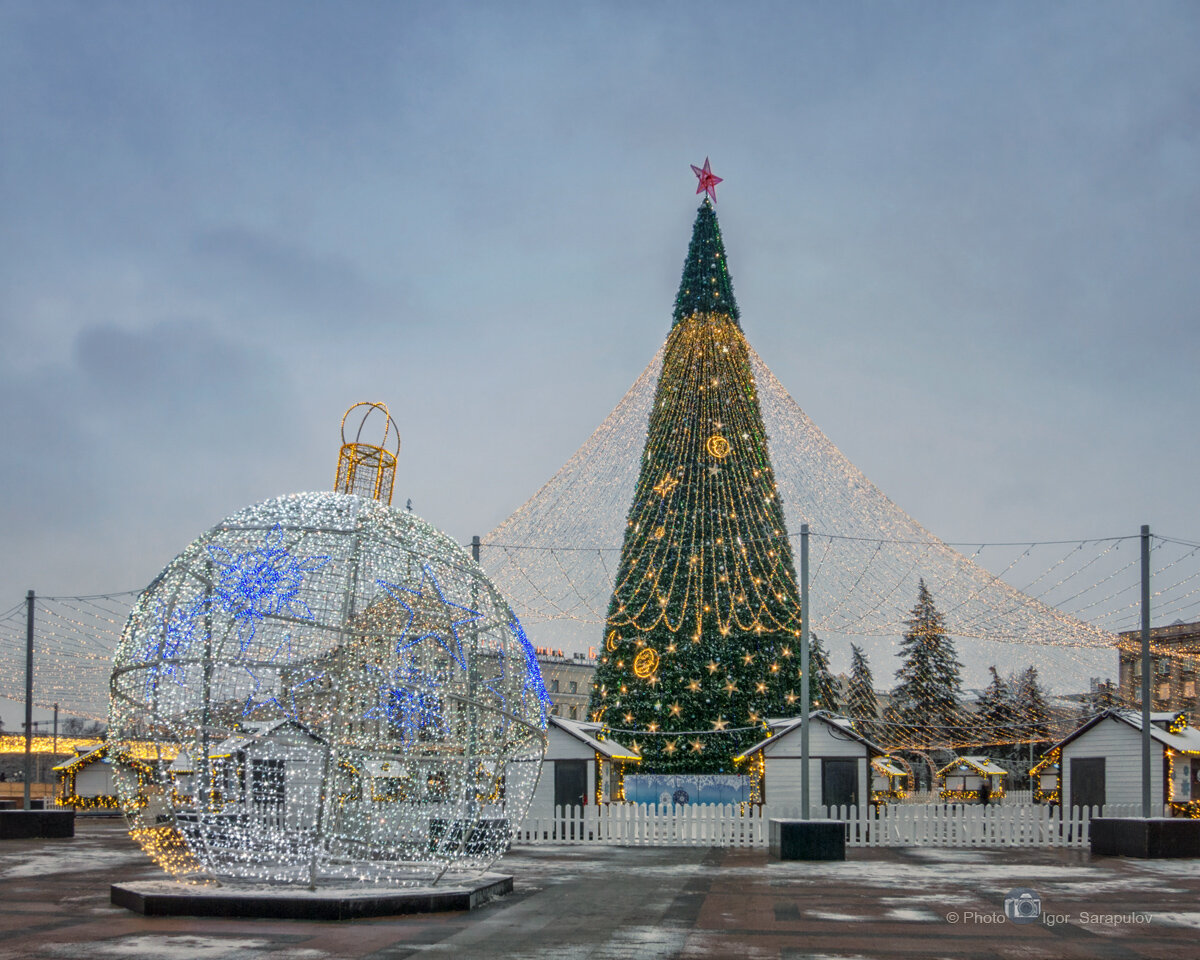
321,689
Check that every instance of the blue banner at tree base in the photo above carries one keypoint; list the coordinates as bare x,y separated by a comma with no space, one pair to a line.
681,788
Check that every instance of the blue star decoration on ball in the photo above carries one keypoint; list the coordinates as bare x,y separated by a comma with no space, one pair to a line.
174,635
279,694
708,180
430,592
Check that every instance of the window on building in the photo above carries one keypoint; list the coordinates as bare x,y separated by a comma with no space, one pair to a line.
574,686
1162,667
1189,688
573,716
554,686
1164,691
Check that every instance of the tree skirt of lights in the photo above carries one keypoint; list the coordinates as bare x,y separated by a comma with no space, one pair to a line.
322,690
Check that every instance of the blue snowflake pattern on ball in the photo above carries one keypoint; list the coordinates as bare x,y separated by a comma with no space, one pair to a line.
262,582
174,635
410,702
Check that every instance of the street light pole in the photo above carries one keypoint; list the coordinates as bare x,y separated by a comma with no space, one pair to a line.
805,696
28,697
1146,799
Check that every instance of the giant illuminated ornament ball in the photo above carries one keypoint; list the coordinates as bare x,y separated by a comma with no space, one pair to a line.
323,689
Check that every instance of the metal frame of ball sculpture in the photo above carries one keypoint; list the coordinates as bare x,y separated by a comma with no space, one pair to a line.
322,690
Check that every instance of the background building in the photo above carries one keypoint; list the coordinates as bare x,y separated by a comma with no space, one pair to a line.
1174,652
568,678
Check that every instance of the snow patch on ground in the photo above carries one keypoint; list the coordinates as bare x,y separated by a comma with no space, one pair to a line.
1178,868
943,900
160,947
1104,886
911,913
830,915
949,856
1178,919
72,860
887,874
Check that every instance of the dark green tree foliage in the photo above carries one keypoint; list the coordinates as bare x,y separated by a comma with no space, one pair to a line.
705,287
861,702
927,698
701,640
1030,710
995,711
824,690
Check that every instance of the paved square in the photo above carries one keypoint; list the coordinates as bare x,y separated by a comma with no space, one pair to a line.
613,902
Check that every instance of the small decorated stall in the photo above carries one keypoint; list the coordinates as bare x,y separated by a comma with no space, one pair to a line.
1101,762
581,766
1044,777
968,779
86,781
839,762
260,771
888,780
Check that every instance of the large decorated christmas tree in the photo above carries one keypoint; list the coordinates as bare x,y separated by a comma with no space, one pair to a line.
702,640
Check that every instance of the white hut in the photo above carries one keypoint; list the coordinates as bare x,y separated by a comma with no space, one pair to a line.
579,768
1101,762
86,780
272,770
839,762
963,779
888,780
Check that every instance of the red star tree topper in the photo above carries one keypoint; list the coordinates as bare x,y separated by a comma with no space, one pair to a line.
708,180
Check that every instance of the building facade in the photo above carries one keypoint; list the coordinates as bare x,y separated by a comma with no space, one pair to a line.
1174,656
568,678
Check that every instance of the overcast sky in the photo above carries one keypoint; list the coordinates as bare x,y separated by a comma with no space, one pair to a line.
963,235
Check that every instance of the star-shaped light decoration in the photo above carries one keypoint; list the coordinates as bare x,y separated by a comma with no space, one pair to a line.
664,486
256,698
447,639
708,180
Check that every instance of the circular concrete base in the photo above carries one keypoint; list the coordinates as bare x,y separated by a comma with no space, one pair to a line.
163,898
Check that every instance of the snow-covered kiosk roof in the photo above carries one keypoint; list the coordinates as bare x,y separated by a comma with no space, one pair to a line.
786,727
590,734
983,766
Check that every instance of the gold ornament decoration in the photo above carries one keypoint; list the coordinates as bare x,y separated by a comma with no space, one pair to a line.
368,469
612,640
664,486
717,446
645,663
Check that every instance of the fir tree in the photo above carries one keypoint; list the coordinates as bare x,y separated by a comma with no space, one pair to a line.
824,690
926,701
701,638
995,711
861,702
1029,707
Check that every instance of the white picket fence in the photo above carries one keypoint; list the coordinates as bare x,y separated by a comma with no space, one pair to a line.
899,825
